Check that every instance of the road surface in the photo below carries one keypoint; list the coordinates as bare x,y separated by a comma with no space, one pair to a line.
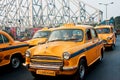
109,69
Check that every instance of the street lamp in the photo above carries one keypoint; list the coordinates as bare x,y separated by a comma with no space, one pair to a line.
106,5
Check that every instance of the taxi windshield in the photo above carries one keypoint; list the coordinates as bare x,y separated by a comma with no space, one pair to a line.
66,35
103,30
42,34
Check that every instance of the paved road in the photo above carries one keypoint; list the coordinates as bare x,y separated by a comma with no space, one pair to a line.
109,69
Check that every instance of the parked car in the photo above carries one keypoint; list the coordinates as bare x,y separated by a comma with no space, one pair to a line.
40,37
70,50
107,34
11,52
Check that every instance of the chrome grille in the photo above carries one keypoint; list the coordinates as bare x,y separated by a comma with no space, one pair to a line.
104,41
46,57
46,61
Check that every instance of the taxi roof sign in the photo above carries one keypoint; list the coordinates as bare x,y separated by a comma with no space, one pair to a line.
69,25
45,28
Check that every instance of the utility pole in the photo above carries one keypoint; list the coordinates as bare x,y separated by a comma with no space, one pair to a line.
106,6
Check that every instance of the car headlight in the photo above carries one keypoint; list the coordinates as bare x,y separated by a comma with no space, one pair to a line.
109,38
66,55
27,53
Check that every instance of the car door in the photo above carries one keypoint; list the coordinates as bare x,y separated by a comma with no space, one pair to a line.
4,52
114,35
1,55
90,47
96,42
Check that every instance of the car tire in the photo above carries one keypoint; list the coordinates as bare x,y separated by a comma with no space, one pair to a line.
112,47
35,75
81,72
15,62
101,56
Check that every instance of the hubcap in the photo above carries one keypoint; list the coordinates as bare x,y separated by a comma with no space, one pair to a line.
82,71
101,57
113,46
15,62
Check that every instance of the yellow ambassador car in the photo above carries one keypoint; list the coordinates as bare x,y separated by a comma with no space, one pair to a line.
69,50
11,52
39,37
107,34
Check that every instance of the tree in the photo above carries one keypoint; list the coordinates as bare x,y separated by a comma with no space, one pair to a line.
117,22
112,21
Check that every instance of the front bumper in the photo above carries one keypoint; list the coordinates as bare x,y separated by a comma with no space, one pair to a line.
107,44
49,67
51,63
58,70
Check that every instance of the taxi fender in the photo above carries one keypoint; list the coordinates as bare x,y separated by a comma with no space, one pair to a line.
82,56
78,60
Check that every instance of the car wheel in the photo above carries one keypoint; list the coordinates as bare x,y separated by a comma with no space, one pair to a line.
80,74
101,56
34,74
15,62
37,77
112,47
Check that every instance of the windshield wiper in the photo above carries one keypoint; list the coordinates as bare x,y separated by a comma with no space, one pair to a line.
38,37
56,40
72,39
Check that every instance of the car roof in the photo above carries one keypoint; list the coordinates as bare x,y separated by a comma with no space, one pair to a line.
104,26
45,29
6,34
73,26
2,31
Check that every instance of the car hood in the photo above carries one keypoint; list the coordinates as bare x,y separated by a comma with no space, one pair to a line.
36,41
54,48
104,36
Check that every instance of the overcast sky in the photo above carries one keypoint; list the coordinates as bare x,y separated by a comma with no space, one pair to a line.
113,9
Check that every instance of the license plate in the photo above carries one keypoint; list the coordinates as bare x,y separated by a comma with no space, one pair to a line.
45,72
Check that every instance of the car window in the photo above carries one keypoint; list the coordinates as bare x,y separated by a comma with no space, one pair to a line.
41,34
1,39
66,35
88,35
94,34
5,39
103,30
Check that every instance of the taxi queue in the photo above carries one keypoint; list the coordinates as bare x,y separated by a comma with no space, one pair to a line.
67,50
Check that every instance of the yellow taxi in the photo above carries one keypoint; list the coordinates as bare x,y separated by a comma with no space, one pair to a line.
107,34
40,37
69,50
11,52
